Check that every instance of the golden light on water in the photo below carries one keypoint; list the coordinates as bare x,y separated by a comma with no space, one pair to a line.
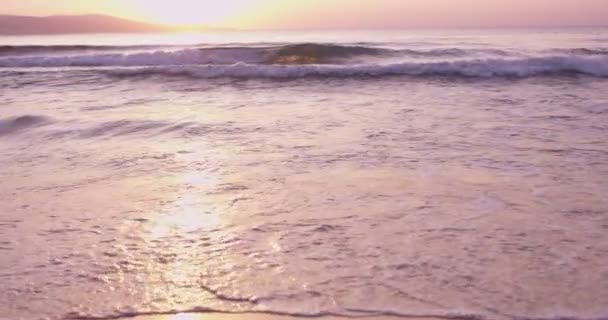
188,213
174,235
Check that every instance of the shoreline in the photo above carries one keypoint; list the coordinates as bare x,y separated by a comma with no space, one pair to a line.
258,316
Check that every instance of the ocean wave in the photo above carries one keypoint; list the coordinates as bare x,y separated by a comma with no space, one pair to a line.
456,52
583,51
323,60
8,50
15,124
82,56
318,53
296,54
475,68
147,58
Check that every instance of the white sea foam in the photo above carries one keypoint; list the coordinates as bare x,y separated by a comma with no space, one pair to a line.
149,58
306,60
595,66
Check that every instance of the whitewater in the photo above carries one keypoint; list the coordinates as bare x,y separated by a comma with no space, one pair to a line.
438,174
310,59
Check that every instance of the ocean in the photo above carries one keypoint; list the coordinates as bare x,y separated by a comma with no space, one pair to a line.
455,174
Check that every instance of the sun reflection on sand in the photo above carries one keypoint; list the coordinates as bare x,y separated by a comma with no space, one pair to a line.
189,212
189,215
185,316
176,237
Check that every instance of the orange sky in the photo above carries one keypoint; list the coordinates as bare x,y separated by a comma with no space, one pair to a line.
320,14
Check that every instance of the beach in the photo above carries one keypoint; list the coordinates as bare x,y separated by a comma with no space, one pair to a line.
249,317
244,317
456,174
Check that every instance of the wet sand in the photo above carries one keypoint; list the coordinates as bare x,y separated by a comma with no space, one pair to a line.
418,174
248,316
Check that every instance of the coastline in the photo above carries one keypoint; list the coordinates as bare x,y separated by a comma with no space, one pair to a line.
252,316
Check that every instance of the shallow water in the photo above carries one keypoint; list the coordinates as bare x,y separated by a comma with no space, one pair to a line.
474,185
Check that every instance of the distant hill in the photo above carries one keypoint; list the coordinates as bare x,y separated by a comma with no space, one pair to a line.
25,25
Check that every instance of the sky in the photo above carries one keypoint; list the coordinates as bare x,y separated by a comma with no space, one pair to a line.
332,14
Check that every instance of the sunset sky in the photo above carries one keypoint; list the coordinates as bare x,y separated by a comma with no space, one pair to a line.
319,14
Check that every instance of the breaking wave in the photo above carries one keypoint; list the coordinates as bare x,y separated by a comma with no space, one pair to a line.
94,56
481,68
305,60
